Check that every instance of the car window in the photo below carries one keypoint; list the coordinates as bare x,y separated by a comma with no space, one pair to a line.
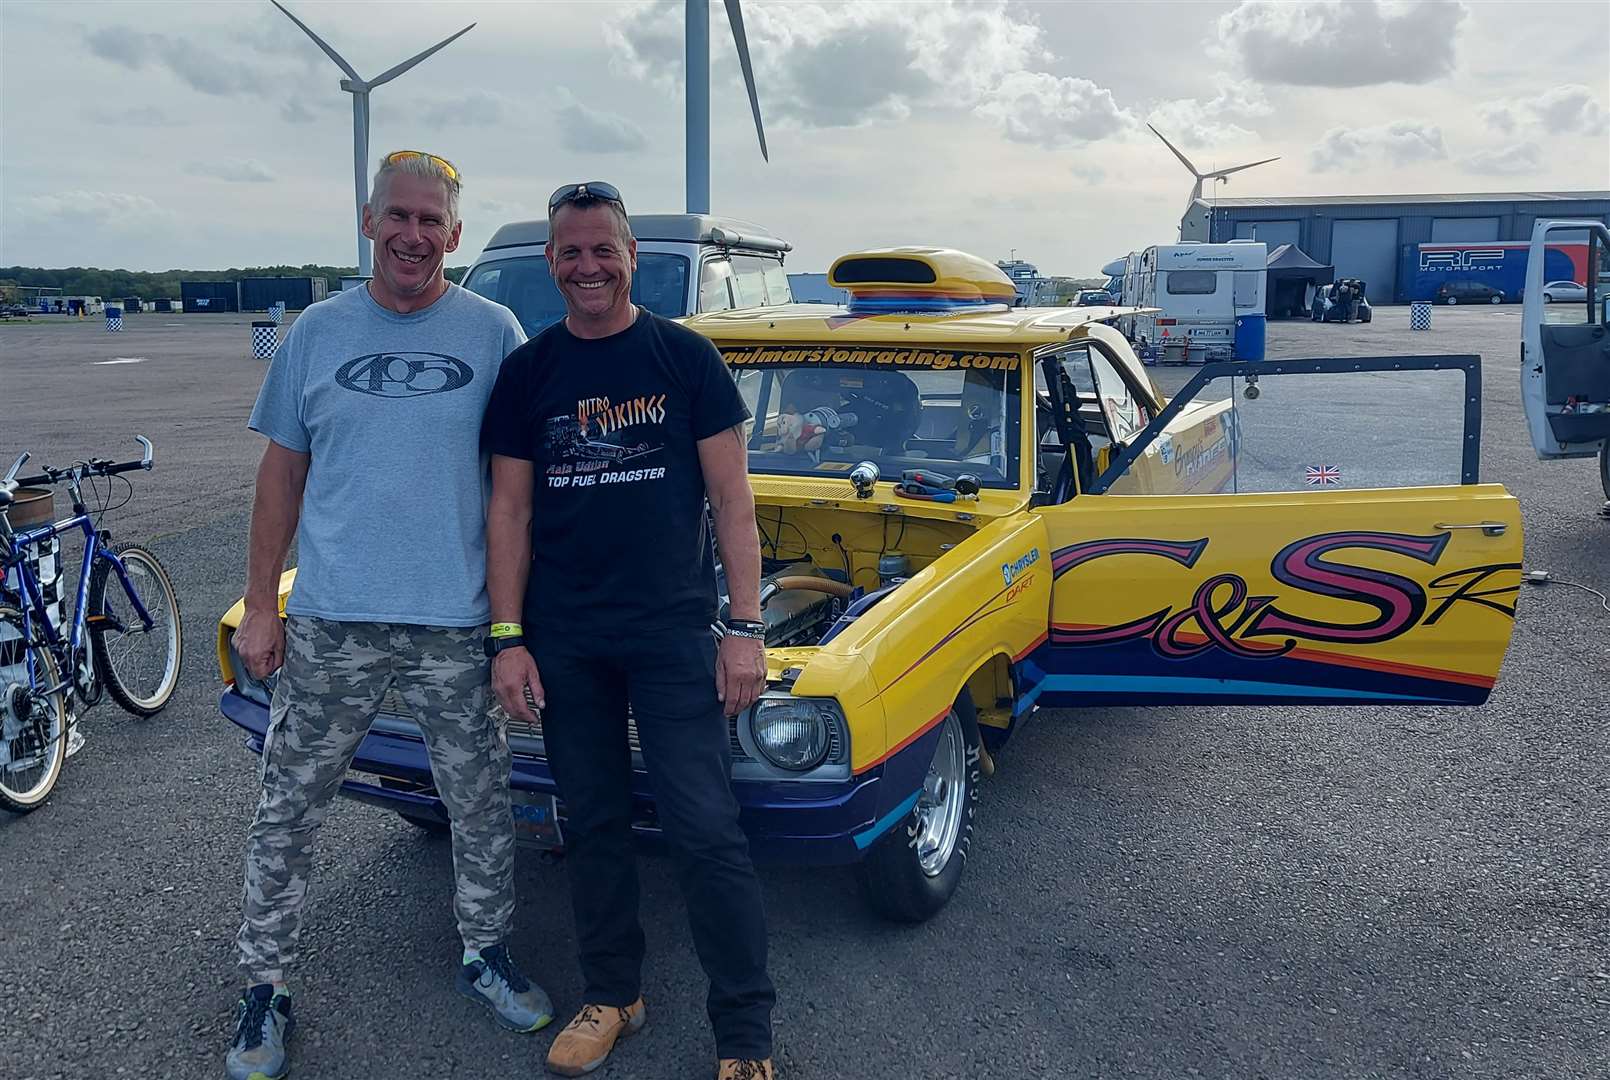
749,281
524,286
1192,282
777,287
715,285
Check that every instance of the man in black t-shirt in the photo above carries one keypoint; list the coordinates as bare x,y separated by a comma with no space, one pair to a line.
609,431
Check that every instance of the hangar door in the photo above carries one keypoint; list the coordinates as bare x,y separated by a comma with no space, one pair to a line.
1368,250
1463,230
1273,233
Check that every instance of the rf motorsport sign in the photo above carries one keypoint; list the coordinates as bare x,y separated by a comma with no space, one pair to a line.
924,359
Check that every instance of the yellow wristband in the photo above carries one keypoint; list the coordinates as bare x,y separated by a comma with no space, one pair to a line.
507,629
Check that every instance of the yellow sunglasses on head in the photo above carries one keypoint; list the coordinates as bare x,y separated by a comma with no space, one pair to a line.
442,163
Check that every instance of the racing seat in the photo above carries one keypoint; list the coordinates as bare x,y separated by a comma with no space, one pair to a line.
886,404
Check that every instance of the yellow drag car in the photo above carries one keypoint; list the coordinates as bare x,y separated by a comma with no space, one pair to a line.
970,511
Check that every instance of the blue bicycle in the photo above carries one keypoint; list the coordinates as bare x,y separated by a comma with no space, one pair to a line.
125,640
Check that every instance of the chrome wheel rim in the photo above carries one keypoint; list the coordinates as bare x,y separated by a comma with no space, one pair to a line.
942,800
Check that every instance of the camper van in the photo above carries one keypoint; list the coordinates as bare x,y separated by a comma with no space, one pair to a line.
1201,293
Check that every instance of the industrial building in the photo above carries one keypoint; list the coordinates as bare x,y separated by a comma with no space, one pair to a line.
1374,237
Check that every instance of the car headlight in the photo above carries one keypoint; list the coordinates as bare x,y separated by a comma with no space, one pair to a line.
792,733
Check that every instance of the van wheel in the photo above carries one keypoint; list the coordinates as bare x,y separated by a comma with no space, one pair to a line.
912,871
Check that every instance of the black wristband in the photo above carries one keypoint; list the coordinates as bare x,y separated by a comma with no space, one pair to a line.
742,625
495,645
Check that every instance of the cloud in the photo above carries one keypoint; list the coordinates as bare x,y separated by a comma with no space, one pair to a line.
296,111
204,71
1401,142
1570,109
1498,115
1036,107
247,171
1343,42
836,65
1515,160
474,109
1194,122
592,131
81,208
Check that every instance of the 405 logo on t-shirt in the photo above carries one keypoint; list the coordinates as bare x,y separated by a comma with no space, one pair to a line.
404,374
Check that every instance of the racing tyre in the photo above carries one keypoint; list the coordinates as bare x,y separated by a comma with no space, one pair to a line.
33,727
139,667
912,871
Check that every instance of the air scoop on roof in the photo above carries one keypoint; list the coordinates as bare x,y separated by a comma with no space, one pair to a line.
920,280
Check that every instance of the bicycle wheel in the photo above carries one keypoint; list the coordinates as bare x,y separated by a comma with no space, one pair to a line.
139,667
33,726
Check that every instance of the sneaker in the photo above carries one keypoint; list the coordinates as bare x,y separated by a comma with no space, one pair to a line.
495,982
262,1025
745,1069
588,1039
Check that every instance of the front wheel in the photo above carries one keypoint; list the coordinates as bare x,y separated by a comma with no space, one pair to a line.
911,872
1548,298
1495,300
140,667
33,724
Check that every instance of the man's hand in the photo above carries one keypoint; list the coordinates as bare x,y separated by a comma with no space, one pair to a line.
260,641
514,672
740,672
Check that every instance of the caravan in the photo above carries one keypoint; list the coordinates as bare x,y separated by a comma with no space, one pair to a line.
1209,300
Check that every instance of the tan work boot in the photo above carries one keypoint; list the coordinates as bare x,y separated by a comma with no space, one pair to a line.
745,1069
588,1039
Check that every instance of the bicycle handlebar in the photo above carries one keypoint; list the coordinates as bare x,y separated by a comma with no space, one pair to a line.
92,467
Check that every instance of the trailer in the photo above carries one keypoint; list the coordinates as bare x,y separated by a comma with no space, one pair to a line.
1500,265
1205,301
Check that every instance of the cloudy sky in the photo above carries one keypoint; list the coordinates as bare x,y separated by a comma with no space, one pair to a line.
205,135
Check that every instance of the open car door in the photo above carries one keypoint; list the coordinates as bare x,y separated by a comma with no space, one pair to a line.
1343,552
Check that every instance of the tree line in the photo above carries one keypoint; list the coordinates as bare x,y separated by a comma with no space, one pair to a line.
154,284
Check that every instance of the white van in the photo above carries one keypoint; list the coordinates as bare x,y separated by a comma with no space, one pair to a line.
1199,291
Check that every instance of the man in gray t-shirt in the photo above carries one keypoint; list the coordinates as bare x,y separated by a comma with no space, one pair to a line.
373,411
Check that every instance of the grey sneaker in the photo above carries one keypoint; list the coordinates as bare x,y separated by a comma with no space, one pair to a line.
495,982
263,1023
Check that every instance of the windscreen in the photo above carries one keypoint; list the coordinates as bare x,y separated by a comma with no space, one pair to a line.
823,410
524,286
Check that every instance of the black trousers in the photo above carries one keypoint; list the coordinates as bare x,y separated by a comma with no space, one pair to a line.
669,678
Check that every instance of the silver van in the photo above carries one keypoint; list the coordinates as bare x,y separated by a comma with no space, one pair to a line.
686,264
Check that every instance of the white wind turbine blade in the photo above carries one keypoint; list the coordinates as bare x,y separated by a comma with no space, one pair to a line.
736,18
331,53
391,73
1220,174
1183,159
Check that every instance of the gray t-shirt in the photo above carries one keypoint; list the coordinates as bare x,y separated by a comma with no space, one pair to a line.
388,406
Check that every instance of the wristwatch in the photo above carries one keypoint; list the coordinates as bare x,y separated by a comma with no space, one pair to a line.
495,645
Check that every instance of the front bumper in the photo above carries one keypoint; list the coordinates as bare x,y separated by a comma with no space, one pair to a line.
815,822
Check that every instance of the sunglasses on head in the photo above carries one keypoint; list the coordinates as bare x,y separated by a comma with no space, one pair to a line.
592,189
442,163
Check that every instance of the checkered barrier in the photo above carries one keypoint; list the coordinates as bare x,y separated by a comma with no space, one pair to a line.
265,339
276,312
114,323
1420,315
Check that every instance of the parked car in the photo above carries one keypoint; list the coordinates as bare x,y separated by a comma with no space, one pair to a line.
1469,292
1564,291
686,263
1095,298
968,511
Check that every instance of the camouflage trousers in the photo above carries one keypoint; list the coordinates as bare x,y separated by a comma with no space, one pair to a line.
331,686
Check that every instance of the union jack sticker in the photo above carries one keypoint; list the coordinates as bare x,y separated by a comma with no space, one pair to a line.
1322,475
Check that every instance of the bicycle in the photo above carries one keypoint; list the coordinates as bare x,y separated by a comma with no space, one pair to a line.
127,641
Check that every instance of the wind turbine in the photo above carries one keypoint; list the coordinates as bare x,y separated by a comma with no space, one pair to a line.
697,74
1217,175
359,89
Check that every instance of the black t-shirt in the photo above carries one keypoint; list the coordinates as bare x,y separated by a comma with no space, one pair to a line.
618,531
